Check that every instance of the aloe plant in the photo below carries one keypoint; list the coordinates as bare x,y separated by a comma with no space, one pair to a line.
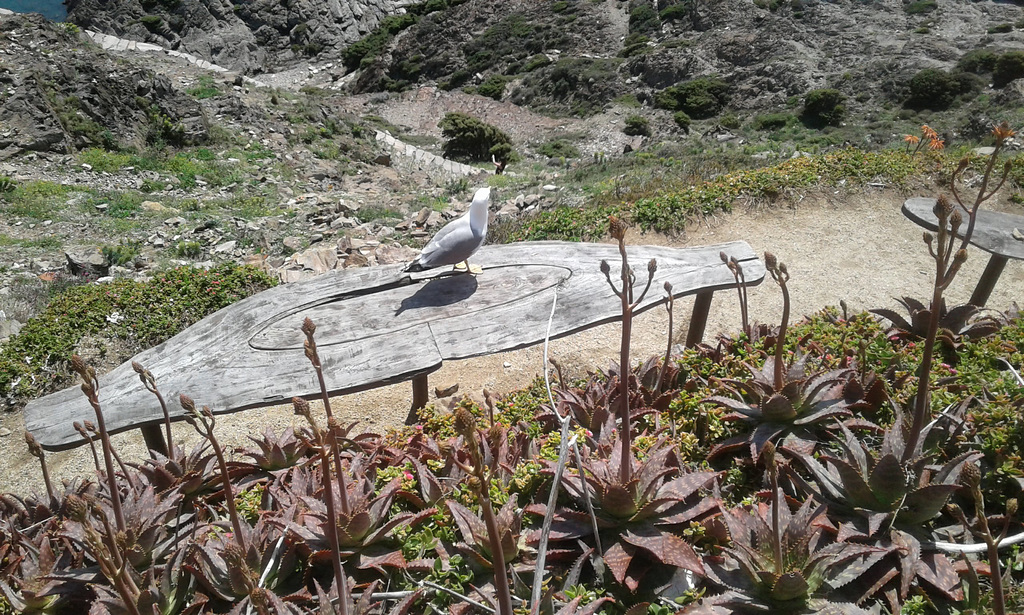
781,399
886,501
637,521
955,325
796,405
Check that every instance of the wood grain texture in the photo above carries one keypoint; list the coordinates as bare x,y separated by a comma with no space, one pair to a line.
377,326
993,230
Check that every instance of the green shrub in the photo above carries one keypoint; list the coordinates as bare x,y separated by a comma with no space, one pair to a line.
559,148
936,89
919,7
676,12
1002,28
634,44
534,62
468,137
979,61
35,360
1008,67
637,125
493,87
205,88
730,121
188,249
369,47
773,121
643,18
121,254
823,107
682,120
700,98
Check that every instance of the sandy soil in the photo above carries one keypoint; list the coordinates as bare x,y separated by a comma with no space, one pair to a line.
854,246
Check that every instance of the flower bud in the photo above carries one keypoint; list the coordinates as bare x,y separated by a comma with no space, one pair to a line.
187,403
955,220
970,476
464,422
960,256
301,406
1011,507
928,238
668,287
605,267
89,426
942,208
770,262
76,507
33,445
616,228
308,327
768,454
137,367
78,364
721,255
652,266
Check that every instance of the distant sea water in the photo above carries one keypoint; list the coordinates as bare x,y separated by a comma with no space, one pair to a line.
51,9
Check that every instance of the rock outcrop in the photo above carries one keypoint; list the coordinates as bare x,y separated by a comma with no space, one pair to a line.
251,37
60,93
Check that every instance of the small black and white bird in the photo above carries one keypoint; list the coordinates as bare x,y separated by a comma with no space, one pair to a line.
458,240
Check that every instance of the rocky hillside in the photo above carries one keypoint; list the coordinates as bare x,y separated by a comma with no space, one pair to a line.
252,36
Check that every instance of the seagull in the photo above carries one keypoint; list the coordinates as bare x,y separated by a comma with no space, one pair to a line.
458,240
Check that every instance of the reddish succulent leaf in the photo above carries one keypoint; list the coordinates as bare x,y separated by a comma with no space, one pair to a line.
937,571
790,586
923,504
888,480
665,546
618,558
393,559
617,501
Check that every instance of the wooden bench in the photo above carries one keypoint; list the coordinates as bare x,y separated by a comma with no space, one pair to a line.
377,326
993,233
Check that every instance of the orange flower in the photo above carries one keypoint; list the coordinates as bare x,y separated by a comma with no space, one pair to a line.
1003,132
936,144
928,132
911,139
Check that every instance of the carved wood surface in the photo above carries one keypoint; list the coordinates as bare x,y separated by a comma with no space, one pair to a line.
993,230
376,326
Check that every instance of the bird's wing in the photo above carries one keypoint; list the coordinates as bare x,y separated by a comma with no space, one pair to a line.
452,244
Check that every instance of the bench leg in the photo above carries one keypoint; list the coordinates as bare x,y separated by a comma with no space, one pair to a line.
993,270
154,438
699,318
420,394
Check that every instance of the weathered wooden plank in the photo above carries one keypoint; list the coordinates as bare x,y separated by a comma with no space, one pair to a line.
993,230
379,325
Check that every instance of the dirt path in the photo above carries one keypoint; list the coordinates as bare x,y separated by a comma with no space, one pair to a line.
854,246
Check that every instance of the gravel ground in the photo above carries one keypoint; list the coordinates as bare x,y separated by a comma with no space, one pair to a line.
855,246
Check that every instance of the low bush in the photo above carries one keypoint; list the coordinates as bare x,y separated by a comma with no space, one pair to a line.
559,148
682,120
978,61
369,47
493,86
700,98
920,7
1008,67
1002,28
937,90
773,121
470,138
637,125
823,107
142,314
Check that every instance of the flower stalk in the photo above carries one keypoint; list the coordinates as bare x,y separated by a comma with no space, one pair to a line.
149,381
91,387
617,229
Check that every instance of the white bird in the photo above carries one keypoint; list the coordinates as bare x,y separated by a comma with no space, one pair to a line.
458,240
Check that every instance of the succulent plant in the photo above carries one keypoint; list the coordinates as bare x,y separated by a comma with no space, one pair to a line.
362,531
635,520
955,325
758,580
278,452
30,580
887,502
796,406
475,539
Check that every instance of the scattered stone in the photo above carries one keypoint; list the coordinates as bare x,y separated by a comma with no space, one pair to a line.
550,188
153,206
1018,235
292,244
226,247
175,221
390,254
4,432
447,391
92,264
355,260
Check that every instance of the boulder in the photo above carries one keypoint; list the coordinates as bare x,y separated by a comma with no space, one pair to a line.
89,263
